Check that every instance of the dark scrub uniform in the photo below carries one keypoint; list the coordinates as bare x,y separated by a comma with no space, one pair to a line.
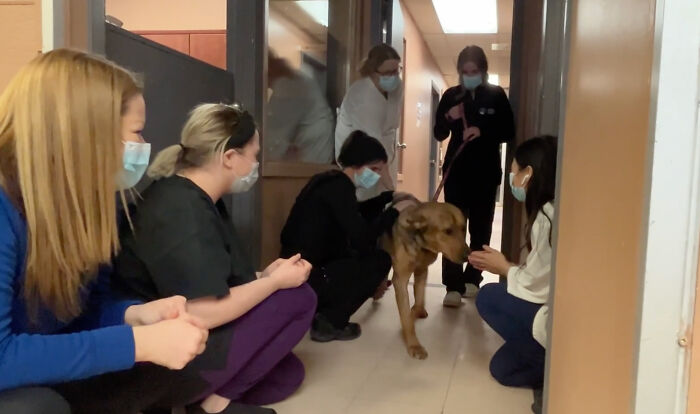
185,244
338,236
476,173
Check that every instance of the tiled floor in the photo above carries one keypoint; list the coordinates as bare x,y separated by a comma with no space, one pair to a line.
374,375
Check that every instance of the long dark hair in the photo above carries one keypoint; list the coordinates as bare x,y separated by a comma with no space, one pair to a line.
540,153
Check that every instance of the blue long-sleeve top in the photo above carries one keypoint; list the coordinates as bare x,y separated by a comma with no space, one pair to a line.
47,351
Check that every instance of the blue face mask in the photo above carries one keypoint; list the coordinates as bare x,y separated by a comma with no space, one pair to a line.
472,82
136,156
389,83
367,178
518,192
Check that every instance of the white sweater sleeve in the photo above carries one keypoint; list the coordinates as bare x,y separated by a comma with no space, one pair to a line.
530,282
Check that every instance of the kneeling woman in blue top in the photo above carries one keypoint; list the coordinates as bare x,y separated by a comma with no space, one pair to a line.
68,123
518,310
184,243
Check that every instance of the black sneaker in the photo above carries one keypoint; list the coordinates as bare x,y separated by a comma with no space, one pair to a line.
232,408
323,331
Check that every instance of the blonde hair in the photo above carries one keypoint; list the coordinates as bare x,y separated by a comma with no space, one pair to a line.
60,153
210,129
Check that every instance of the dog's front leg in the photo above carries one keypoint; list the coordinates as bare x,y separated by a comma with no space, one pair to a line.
414,348
420,277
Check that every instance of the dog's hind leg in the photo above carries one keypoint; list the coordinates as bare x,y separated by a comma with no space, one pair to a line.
414,348
420,277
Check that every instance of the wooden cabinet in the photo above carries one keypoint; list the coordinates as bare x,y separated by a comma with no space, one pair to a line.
175,41
209,47
206,45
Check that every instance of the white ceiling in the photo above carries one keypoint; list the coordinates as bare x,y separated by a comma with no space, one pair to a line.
446,47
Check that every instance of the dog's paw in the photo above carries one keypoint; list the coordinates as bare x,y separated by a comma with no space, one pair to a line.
417,351
419,313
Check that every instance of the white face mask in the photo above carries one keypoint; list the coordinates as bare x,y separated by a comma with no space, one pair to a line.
243,184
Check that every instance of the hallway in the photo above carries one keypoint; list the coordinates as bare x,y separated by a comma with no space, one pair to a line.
374,375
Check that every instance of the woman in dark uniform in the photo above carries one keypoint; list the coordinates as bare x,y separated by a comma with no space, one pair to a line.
183,242
339,236
476,172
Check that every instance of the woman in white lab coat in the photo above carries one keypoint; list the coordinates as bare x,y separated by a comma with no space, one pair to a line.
372,105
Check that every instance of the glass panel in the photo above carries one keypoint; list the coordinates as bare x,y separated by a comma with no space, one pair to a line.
299,125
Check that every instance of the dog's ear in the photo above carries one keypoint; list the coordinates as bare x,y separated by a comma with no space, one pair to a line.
413,221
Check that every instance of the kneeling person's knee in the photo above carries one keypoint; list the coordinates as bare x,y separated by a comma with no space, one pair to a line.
488,295
301,299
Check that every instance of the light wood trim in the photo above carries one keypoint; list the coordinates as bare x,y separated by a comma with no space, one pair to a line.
693,395
16,2
294,169
188,32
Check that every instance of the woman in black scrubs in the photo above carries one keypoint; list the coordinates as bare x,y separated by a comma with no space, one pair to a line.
183,242
476,172
339,236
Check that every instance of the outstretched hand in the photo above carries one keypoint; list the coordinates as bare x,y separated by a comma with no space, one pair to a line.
490,260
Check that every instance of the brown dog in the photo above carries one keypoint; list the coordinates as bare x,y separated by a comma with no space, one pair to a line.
419,234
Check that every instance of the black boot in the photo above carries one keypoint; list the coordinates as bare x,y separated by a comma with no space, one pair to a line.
324,331
537,405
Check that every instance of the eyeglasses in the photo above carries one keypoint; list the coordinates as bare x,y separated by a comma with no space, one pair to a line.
390,72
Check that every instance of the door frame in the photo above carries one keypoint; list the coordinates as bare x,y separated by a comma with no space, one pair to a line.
668,301
435,162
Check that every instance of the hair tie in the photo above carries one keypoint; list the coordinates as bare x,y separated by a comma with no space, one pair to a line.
244,129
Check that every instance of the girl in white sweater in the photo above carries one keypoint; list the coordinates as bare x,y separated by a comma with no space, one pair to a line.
517,310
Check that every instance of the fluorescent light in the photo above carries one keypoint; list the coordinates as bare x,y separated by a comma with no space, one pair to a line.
467,16
493,78
317,9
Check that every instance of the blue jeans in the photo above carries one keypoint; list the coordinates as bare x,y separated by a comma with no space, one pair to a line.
520,361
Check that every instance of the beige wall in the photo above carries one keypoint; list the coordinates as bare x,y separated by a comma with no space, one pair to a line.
169,14
20,29
421,71
601,202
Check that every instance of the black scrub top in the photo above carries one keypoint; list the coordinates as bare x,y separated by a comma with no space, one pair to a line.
327,223
182,244
490,111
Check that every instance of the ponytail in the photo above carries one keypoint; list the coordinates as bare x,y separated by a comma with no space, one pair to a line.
166,162
210,129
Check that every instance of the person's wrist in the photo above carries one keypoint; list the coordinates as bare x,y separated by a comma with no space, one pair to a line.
140,344
274,281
